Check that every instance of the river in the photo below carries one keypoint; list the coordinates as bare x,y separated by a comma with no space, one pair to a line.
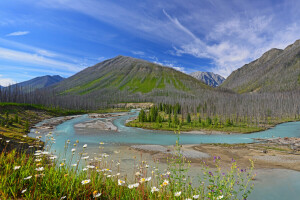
275,184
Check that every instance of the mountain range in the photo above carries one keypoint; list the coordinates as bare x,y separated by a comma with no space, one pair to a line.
38,82
209,78
275,71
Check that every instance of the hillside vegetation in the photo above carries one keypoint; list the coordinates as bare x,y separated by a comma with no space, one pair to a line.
129,75
275,71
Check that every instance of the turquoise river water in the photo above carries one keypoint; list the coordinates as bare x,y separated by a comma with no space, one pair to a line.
271,184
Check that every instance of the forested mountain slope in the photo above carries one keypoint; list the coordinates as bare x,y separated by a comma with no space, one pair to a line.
129,76
38,82
276,70
209,78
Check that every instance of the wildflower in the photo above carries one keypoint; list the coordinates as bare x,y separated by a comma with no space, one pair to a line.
85,181
84,158
23,191
154,189
142,180
120,182
74,165
96,194
135,185
166,182
138,174
177,194
105,155
17,167
108,176
118,174
90,166
40,169
73,150
62,164
147,166
168,173
116,152
24,135
148,179
196,196
85,146
220,197
45,153
38,160
7,141
188,199
84,169
53,157
29,177
37,154
63,197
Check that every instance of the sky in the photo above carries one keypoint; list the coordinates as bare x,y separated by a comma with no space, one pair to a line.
62,37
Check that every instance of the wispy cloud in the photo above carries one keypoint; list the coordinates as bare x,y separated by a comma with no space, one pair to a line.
6,81
18,33
227,33
139,53
19,56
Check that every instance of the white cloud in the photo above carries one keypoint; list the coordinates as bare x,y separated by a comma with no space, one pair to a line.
230,34
19,56
18,33
139,53
169,64
6,81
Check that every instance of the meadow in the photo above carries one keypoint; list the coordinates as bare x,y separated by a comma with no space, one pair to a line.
44,175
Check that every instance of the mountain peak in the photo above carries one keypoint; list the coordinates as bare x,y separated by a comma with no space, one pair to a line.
276,70
208,78
131,76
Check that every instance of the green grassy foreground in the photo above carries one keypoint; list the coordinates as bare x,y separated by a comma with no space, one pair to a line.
44,176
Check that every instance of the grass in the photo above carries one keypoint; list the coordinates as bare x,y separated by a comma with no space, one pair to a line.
187,127
44,176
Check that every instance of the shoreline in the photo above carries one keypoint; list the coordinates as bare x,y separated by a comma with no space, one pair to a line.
242,153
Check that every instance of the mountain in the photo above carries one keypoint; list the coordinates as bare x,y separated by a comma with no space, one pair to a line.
276,70
209,78
39,82
126,76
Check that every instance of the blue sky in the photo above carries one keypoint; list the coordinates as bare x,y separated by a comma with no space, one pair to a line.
49,37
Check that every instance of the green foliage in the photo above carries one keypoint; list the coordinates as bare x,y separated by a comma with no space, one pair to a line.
208,121
142,116
41,177
188,118
26,128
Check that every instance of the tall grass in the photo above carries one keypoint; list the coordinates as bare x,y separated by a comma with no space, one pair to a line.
44,176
